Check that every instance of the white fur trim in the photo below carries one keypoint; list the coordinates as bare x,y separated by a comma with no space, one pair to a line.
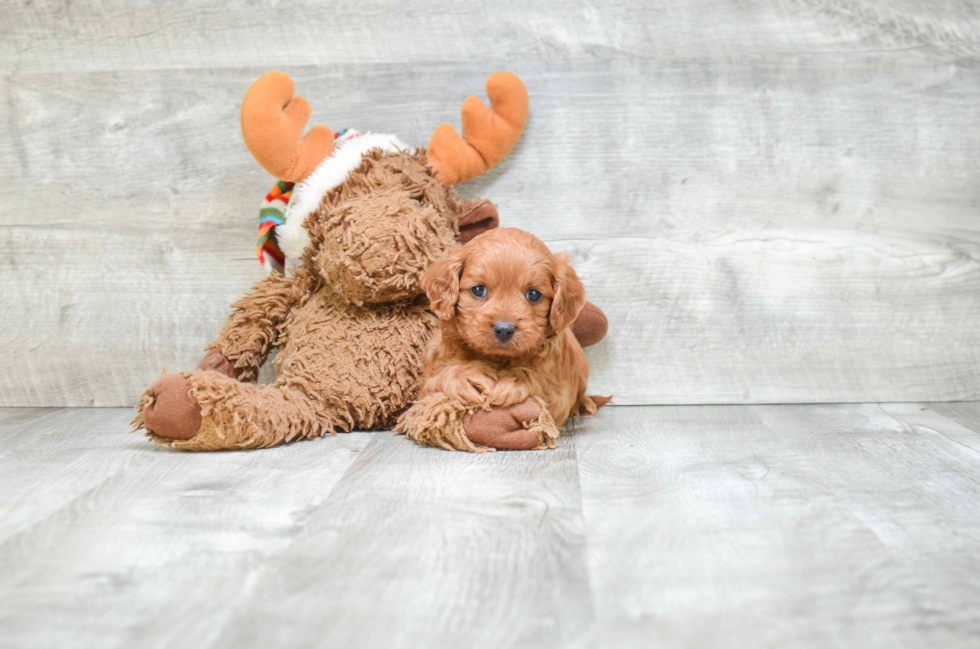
291,235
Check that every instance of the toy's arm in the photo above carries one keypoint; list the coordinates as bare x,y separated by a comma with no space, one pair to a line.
253,327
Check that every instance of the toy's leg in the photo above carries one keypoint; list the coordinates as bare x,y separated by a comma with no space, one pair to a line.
525,425
206,411
437,420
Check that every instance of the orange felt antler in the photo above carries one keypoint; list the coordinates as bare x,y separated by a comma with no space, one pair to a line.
272,125
488,133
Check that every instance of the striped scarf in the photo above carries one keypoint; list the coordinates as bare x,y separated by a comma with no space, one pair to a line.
272,214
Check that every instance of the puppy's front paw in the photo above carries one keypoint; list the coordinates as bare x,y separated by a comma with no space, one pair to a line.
519,427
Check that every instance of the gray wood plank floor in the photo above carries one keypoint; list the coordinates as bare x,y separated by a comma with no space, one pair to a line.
703,526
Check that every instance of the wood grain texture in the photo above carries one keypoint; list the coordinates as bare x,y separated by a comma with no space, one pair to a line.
699,526
426,548
58,36
774,202
762,316
115,542
111,541
964,413
789,526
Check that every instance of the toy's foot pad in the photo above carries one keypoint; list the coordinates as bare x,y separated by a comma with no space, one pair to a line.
503,428
591,325
172,413
215,361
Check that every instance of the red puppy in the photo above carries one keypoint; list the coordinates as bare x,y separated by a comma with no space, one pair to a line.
505,370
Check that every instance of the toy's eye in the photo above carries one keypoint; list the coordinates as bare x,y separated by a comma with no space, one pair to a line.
532,295
479,291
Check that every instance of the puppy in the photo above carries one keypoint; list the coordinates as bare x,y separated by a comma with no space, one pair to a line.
505,370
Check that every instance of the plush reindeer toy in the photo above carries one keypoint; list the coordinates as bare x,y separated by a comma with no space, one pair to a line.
362,218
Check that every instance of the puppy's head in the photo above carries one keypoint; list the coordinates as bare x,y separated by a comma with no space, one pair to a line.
504,293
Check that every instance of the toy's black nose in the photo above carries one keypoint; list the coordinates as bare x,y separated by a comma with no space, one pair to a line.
504,331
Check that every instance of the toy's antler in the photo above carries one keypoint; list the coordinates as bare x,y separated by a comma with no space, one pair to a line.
488,133
272,125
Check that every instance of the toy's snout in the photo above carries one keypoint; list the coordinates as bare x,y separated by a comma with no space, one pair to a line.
378,246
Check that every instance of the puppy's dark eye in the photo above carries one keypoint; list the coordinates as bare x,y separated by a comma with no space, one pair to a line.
479,291
532,295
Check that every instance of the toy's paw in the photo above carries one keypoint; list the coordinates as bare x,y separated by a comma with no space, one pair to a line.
590,326
215,361
504,428
172,412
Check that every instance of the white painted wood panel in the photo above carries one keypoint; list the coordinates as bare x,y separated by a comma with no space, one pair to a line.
786,526
124,543
57,35
695,526
418,547
361,539
790,215
964,413
792,316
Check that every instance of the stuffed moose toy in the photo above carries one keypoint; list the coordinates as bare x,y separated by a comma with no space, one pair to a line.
361,217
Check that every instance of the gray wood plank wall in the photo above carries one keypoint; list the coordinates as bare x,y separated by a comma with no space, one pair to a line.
773,201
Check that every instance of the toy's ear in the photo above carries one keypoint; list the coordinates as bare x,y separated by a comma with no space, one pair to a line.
478,221
569,295
441,284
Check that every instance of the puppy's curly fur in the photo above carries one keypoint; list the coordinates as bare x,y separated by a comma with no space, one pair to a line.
504,370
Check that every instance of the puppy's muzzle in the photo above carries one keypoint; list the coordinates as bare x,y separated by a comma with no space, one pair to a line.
504,331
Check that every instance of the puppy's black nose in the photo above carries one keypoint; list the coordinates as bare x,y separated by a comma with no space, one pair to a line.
504,331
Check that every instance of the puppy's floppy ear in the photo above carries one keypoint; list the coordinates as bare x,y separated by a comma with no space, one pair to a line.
441,284
569,295
478,221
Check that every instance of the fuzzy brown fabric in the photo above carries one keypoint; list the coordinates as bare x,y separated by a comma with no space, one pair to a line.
478,221
591,325
351,325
